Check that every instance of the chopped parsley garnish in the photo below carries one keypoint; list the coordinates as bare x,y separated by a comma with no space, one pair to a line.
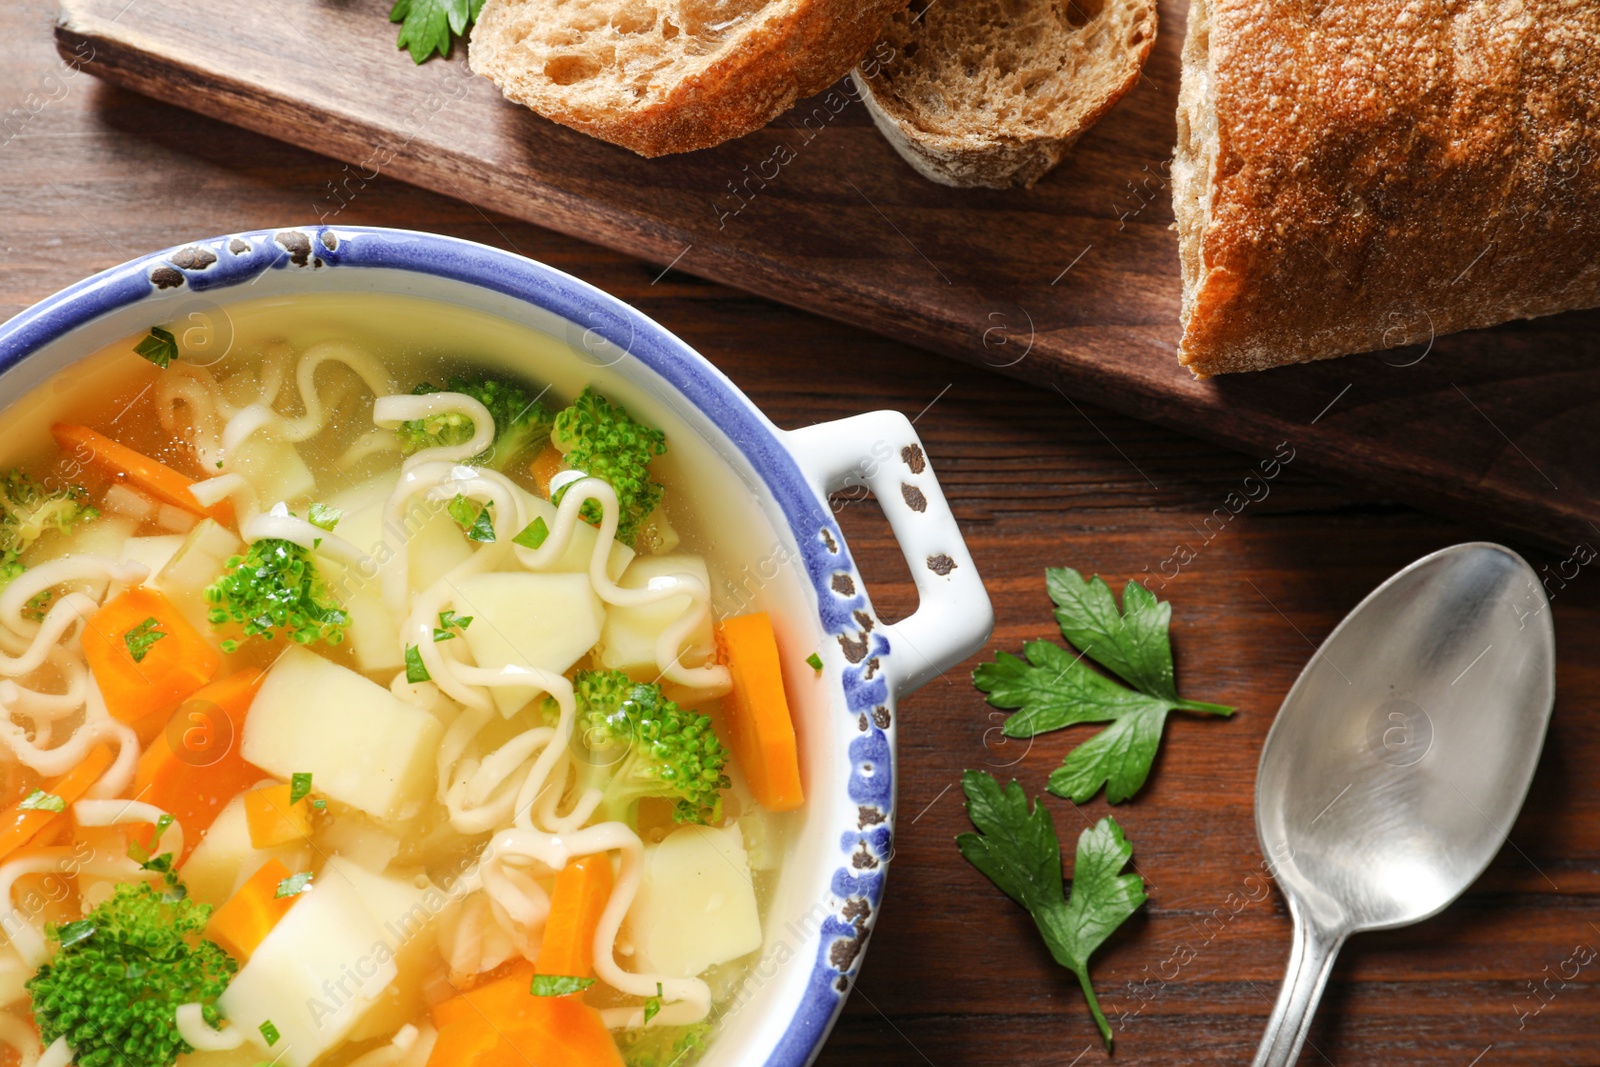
534,534
815,661
299,787
448,622
415,671
141,637
162,864
652,1005
324,517
1053,688
1017,850
160,348
39,800
293,886
472,518
270,1033
429,26
558,985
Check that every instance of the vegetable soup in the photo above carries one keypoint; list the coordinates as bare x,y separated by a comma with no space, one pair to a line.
383,683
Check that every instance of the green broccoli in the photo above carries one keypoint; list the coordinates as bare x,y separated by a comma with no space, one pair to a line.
31,511
276,586
663,1046
602,440
521,423
637,744
119,975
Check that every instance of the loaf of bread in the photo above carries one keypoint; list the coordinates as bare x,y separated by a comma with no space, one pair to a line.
1354,175
661,76
993,92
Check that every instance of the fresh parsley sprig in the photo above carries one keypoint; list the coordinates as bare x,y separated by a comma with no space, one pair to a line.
1016,849
1053,688
429,26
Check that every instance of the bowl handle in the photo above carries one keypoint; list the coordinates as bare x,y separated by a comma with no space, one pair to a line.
881,452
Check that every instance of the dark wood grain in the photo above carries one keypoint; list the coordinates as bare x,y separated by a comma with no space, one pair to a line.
955,976
1073,284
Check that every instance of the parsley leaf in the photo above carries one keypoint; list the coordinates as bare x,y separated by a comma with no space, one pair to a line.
160,347
416,670
324,517
39,800
270,1033
299,787
534,534
294,885
429,26
139,638
1053,688
652,1005
472,518
558,985
1017,850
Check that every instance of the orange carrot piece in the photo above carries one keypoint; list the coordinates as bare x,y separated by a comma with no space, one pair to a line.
468,1043
501,1024
241,924
118,460
581,891
273,820
760,728
545,466
170,669
19,826
194,766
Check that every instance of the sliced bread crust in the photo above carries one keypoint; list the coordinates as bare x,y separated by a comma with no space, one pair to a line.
663,76
1358,175
994,92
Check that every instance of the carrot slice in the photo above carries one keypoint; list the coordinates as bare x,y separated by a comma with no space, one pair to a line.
248,917
19,825
760,728
545,466
273,820
194,766
501,1024
118,460
581,891
168,669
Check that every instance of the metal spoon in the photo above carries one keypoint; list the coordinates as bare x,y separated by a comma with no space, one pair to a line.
1400,759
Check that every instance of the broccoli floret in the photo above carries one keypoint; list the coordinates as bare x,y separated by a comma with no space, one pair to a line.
276,587
521,423
638,744
31,511
663,1046
119,975
602,440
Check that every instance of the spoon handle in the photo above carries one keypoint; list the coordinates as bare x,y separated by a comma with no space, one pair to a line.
1310,960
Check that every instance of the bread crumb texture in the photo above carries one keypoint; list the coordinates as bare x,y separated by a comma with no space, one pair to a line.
1355,175
662,76
993,92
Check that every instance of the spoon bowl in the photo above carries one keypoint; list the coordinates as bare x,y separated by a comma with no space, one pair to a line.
1400,759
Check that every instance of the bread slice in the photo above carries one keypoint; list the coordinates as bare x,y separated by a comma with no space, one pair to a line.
661,76
993,92
1354,175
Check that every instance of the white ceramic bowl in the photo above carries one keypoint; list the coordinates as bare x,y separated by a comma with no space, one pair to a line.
831,885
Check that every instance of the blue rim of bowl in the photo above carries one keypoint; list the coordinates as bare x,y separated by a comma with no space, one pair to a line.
219,263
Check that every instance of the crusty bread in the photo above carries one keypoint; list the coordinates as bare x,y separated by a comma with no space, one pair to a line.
993,92
661,76
1354,175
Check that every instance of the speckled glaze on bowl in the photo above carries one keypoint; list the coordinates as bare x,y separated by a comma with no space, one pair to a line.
833,877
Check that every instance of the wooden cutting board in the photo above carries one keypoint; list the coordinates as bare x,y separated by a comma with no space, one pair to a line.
1072,284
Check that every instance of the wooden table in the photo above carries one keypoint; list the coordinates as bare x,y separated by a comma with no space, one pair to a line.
956,976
